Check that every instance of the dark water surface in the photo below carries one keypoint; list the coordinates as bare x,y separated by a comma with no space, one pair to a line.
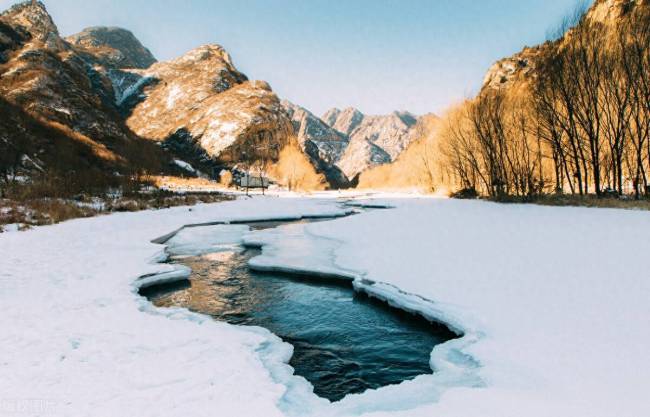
344,342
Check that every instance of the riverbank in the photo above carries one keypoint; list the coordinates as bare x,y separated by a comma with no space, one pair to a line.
25,213
549,299
592,201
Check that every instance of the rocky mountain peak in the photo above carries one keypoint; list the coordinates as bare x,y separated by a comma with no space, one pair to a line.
373,140
116,47
205,53
408,118
610,11
330,116
32,17
345,121
201,100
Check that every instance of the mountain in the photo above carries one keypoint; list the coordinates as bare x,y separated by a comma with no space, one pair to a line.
374,140
202,99
321,143
515,72
115,47
415,167
104,91
345,121
123,110
58,103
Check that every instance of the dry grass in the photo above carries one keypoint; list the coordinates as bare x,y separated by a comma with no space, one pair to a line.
98,149
185,184
26,211
37,212
568,200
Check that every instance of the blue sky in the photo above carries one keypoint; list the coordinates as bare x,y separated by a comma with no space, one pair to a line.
376,55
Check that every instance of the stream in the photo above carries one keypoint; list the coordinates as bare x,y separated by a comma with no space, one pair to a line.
344,342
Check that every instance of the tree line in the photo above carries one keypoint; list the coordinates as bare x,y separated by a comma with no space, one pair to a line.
581,124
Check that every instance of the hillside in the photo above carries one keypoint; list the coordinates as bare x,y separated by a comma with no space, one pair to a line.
567,116
373,140
570,115
59,106
126,112
121,110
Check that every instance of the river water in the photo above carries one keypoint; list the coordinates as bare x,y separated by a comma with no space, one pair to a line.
344,342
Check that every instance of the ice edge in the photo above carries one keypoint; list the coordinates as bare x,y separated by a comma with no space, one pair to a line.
451,365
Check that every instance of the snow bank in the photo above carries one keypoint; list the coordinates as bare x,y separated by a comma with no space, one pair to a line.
77,340
194,241
551,304
168,274
184,165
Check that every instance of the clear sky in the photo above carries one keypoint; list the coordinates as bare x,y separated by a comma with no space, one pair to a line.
376,55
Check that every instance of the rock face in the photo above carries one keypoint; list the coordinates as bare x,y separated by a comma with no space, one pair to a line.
610,11
46,76
31,17
115,47
505,72
516,71
202,98
322,144
345,121
374,140
348,142
360,156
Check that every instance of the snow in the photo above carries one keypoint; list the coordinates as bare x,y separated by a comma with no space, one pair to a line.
131,90
206,239
184,165
175,92
11,227
552,305
552,302
76,335
26,159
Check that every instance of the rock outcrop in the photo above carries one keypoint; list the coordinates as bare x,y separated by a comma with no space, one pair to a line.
203,98
114,47
345,121
517,68
31,18
517,71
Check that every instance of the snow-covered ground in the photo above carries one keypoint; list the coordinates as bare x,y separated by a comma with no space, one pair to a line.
553,303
